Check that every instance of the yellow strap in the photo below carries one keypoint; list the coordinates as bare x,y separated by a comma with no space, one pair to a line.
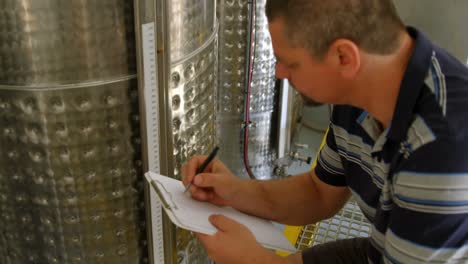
324,141
291,233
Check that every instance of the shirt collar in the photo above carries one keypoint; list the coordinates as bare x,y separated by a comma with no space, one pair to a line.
411,85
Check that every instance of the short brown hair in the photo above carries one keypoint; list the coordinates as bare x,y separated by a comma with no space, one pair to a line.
374,25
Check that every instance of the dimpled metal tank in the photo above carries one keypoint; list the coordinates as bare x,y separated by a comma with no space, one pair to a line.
192,93
70,169
233,35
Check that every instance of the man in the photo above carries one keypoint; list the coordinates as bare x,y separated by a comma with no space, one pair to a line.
398,141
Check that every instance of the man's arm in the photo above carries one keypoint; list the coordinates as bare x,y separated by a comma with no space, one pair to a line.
297,200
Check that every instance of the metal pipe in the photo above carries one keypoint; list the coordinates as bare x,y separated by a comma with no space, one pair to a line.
250,56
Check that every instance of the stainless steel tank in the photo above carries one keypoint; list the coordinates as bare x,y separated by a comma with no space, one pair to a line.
192,96
192,84
70,168
233,36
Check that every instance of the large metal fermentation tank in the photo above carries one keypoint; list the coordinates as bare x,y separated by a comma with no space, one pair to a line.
178,40
443,21
193,76
192,95
233,58
70,169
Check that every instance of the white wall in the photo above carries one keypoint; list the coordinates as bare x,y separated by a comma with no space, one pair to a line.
445,21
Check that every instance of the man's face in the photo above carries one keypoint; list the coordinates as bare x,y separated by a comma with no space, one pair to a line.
315,80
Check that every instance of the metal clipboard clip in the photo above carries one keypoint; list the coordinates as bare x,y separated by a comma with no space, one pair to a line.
158,187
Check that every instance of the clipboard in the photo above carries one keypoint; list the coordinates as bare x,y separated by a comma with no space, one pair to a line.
193,215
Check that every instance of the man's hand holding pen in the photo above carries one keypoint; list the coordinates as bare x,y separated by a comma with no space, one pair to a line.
216,184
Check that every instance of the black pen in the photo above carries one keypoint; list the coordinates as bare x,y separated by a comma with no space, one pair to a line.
203,166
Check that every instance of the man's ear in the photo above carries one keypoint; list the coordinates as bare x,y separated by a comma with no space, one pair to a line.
346,57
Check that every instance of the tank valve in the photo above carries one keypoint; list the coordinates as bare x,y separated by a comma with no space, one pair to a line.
298,157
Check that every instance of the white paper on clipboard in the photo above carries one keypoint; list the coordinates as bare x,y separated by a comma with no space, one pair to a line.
193,215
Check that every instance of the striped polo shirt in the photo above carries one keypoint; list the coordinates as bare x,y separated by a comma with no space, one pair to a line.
411,179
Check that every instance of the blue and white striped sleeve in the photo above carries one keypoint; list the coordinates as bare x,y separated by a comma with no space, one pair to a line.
329,167
429,218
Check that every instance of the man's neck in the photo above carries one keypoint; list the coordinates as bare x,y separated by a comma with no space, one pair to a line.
379,85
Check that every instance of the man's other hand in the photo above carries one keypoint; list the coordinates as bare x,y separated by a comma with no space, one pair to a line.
235,244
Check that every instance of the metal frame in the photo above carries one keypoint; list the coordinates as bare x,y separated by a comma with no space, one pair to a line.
285,118
348,223
156,11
